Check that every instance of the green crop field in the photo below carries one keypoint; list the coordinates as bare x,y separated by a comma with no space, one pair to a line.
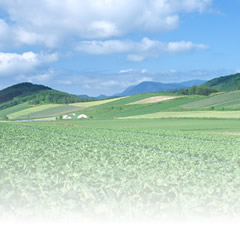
120,168
95,103
120,109
192,114
49,112
220,101
4,113
131,99
31,110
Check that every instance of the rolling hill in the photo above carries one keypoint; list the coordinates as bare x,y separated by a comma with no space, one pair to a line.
226,83
32,94
20,90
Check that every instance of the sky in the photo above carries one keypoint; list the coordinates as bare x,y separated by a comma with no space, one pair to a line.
104,46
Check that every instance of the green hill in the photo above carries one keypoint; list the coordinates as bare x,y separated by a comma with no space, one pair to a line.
33,94
20,90
226,83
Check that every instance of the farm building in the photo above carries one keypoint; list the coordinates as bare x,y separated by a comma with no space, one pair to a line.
67,117
81,116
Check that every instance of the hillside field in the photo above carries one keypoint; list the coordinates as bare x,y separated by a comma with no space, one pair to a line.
220,105
191,114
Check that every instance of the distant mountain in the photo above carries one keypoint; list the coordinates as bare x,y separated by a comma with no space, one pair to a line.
102,97
225,83
93,98
85,96
20,90
146,87
34,94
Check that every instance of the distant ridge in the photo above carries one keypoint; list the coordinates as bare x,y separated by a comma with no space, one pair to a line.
225,83
146,87
20,90
34,94
100,97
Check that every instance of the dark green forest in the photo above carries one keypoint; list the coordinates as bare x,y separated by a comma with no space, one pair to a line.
198,90
226,83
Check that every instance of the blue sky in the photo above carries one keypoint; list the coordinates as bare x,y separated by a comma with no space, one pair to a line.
103,46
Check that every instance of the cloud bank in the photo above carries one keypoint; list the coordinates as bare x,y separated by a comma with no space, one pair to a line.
137,51
13,63
49,22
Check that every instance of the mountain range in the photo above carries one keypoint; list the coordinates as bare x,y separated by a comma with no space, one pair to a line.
145,87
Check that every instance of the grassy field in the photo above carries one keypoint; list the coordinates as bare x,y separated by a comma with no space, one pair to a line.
50,112
120,109
4,113
31,110
225,100
126,100
95,103
120,168
192,114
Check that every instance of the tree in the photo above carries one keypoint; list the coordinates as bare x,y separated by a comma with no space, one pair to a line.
181,91
238,86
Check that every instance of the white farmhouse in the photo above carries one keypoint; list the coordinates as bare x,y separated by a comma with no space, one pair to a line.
81,116
67,117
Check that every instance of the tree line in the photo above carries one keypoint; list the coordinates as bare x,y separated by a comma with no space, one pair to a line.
197,90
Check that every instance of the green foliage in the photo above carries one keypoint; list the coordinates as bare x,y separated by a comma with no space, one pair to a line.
182,91
226,83
238,85
197,90
150,168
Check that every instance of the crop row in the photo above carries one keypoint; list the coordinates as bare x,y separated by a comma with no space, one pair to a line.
68,169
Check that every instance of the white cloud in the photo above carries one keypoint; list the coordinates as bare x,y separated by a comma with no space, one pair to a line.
52,21
13,63
135,58
104,47
137,51
127,71
40,77
175,47
144,71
